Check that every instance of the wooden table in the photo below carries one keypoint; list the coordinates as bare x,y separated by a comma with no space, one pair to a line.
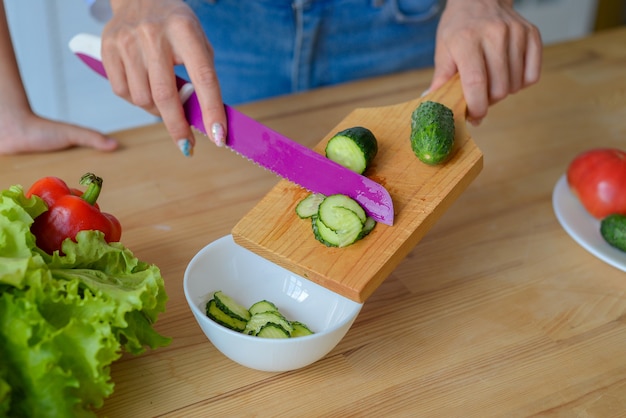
496,312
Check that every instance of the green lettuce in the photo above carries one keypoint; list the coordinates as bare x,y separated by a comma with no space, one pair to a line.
65,318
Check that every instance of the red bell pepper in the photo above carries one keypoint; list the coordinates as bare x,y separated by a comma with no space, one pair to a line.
70,211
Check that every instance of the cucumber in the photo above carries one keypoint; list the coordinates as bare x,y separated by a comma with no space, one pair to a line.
231,308
613,230
271,330
342,236
340,221
217,315
263,318
432,132
262,306
353,148
369,224
308,206
300,330
327,210
258,321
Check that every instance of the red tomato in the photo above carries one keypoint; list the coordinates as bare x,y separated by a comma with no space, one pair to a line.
598,178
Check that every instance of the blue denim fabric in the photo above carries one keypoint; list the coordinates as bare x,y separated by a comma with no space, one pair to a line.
265,48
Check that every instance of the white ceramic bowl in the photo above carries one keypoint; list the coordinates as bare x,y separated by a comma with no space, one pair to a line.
249,278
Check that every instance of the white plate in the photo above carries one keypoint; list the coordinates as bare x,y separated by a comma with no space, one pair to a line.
583,227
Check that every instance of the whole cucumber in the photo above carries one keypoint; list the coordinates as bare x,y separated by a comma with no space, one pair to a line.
432,132
613,230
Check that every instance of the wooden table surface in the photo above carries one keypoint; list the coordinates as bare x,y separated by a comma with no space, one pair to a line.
496,312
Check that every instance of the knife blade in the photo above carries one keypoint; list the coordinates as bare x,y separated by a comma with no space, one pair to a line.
268,148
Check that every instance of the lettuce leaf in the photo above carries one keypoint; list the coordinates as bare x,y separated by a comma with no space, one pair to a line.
65,318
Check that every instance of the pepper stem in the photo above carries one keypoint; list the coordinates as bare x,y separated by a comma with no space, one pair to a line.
94,185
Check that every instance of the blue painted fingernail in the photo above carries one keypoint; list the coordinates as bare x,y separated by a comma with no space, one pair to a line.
185,147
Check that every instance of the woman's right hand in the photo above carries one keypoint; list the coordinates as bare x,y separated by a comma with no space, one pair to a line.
142,43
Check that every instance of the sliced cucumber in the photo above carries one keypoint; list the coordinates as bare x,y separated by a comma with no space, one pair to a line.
340,221
271,330
369,224
300,330
262,306
231,308
348,227
259,320
263,318
217,315
309,205
353,148
327,210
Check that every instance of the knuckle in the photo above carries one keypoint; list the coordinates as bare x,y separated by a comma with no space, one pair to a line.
205,75
121,90
163,93
143,100
497,94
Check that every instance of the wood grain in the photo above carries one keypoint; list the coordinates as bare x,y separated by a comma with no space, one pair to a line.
421,194
496,312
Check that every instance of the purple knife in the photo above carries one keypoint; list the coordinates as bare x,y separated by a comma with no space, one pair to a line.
268,148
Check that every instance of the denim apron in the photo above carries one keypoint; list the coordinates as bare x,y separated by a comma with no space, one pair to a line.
265,48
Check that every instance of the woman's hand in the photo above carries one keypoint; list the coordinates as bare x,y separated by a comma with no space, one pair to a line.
493,48
142,43
22,132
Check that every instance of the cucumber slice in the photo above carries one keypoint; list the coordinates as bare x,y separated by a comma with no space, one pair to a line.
347,229
353,148
259,320
327,208
271,330
217,315
300,330
231,308
320,231
262,306
339,221
369,224
264,318
309,205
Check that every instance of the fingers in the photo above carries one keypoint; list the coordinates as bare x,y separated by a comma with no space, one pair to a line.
494,49
533,58
140,47
199,63
37,134
78,136
162,82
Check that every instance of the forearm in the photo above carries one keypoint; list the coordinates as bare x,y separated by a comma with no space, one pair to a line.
11,87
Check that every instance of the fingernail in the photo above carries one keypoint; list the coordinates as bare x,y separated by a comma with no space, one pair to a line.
185,147
217,130
425,92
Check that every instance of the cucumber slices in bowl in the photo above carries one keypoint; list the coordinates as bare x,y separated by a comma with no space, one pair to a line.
262,319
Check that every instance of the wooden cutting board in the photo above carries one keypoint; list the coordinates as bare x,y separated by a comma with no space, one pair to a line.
420,193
